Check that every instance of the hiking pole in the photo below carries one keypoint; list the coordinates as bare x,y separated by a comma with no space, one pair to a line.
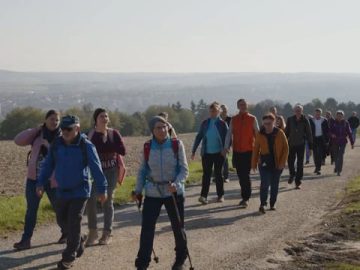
138,204
181,228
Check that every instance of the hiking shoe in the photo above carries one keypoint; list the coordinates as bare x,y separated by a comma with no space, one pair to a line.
22,245
291,180
91,238
203,200
318,173
64,265
81,248
221,199
227,180
262,209
298,187
244,204
338,174
105,238
178,267
272,208
62,239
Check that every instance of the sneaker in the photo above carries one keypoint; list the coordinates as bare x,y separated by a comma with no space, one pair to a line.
262,209
81,248
62,239
105,238
338,174
203,200
244,204
179,263
318,173
291,180
91,238
227,180
22,245
64,265
221,199
273,208
298,187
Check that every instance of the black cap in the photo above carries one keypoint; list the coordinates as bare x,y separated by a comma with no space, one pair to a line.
69,121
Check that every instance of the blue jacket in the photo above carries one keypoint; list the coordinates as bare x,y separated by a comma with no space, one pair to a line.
222,129
71,176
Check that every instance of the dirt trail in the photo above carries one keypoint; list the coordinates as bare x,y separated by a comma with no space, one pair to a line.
221,236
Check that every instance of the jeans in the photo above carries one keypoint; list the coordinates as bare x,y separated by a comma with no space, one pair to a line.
296,153
353,132
208,162
33,202
269,178
69,214
242,163
307,152
150,214
91,209
226,169
319,150
338,151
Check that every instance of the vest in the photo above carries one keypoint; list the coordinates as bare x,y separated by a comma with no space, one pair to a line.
243,132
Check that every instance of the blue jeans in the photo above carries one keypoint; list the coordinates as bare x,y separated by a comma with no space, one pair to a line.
269,178
33,201
339,151
354,130
150,214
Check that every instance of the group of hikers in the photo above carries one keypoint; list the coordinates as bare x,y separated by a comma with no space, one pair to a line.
77,170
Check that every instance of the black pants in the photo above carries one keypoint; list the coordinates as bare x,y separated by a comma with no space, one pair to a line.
69,214
242,164
226,169
296,153
319,150
210,161
150,214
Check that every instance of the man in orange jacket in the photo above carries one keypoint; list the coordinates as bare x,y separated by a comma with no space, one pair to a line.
241,136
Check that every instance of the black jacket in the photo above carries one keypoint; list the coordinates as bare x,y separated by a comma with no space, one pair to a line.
298,131
354,122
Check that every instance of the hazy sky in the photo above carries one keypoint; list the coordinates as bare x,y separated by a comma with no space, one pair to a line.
180,36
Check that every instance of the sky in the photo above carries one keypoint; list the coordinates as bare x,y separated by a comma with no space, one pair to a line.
180,36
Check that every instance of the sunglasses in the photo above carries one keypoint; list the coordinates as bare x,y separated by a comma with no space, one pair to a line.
68,129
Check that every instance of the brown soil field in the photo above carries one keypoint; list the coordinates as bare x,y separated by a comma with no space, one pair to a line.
13,162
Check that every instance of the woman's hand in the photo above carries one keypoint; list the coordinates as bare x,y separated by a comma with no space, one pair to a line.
193,156
172,188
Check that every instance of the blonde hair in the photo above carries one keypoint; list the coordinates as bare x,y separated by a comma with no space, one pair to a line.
215,105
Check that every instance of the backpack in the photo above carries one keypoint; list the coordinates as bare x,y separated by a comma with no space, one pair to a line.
174,145
28,157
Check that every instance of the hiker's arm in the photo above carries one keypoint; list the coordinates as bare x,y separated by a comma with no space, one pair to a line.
308,132
256,152
183,167
27,136
96,170
141,176
228,137
349,134
256,126
284,153
198,138
47,169
119,143
325,127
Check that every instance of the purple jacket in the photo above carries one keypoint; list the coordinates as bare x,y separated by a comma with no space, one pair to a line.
339,131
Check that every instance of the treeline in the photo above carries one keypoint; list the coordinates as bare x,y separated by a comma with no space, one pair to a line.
184,120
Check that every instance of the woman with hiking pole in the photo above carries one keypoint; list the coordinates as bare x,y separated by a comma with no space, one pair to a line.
162,173
40,139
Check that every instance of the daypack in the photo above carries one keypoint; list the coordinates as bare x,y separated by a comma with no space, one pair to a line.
28,157
119,158
174,145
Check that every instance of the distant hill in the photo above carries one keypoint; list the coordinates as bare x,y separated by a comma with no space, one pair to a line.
136,91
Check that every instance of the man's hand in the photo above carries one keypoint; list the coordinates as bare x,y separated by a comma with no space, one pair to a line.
102,198
225,152
136,197
40,191
172,188
193,156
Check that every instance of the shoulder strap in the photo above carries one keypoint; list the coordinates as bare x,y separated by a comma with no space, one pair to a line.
147,147
175,146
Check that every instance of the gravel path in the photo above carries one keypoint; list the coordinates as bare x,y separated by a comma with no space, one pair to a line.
221,236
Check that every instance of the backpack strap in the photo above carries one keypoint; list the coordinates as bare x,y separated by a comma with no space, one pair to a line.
147,147
175,147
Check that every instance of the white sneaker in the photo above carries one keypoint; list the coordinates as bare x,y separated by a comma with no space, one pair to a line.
92,238
203,200
105,238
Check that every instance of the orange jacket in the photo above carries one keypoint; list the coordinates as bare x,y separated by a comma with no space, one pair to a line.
242,132
281,149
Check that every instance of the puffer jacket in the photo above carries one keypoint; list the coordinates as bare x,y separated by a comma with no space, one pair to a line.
162,167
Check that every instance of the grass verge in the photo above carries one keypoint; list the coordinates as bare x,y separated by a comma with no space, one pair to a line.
12,209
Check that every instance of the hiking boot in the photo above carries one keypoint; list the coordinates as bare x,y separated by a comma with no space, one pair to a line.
62,265
203,200
221,199
105,238
291,180
91,238
81,248
244,204
22,245
262,209
227,180
62,239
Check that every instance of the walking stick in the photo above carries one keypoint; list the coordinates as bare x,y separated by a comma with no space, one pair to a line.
173,195
138,204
